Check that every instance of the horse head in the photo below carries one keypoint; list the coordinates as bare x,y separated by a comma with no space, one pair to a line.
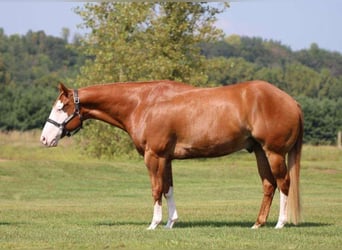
65,118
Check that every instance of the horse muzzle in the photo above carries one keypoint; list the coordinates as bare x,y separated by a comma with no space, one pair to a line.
47,143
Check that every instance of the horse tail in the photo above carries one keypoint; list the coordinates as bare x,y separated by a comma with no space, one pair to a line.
294,155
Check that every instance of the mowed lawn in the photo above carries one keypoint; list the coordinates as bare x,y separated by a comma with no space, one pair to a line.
57,198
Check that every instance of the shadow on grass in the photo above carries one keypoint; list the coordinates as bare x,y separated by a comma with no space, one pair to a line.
13,223
242,224
120,223
208,223
310,224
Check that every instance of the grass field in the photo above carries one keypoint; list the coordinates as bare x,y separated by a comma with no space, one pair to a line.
60,199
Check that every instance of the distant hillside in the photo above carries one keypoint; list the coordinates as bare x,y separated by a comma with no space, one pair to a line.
315,72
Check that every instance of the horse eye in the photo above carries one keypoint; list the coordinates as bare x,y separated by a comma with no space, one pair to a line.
59,105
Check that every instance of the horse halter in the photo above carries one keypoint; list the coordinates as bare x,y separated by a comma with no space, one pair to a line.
76,112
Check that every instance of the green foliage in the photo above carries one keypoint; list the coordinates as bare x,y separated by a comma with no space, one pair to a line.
27,59
230,70
323,118
314,73
25,108
146,41
101,140
30,68
318,58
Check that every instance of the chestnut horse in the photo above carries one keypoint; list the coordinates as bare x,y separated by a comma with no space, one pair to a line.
170,120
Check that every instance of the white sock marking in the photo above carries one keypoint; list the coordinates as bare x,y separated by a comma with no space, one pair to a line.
282,211
173,216
157,216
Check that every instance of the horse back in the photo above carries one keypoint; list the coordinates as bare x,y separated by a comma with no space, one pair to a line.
205,122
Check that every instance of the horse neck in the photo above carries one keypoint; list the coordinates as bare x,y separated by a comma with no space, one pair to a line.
112,103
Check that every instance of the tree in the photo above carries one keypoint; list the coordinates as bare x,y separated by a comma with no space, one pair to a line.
317,58
225,71
65,33
323,119
301,80
5,76
144,41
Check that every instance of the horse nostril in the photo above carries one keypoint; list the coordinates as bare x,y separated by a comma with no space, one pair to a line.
43,139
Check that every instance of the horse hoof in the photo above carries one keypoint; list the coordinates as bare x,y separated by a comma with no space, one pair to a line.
169,224
256,226
153,226
280,225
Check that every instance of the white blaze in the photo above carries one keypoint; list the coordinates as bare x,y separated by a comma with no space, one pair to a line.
51,133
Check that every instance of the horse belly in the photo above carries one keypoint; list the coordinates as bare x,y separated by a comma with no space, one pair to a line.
183,151
214,147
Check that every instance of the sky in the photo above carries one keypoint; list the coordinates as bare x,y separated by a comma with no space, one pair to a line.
295,23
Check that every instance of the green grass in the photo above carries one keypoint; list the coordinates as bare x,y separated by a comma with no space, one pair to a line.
58,198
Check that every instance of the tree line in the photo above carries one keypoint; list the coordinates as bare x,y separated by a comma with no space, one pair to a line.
30,68
147,41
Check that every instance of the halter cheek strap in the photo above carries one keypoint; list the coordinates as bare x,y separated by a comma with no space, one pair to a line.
77,103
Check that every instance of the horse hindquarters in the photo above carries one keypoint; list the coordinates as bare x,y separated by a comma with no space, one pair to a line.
274,173
289,186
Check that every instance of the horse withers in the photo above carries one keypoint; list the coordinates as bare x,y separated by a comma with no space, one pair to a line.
170,120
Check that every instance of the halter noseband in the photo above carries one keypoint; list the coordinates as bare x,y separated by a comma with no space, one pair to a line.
62,125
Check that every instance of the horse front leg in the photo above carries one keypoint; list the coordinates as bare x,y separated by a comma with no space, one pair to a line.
171,205
168,193
157,215
155,170
161,182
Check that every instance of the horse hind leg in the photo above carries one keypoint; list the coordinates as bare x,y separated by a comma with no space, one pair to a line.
269,185
279,171
282,219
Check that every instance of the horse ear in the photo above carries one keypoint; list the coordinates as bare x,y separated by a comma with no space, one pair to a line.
63,89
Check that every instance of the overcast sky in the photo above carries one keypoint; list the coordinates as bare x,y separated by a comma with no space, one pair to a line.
296,23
